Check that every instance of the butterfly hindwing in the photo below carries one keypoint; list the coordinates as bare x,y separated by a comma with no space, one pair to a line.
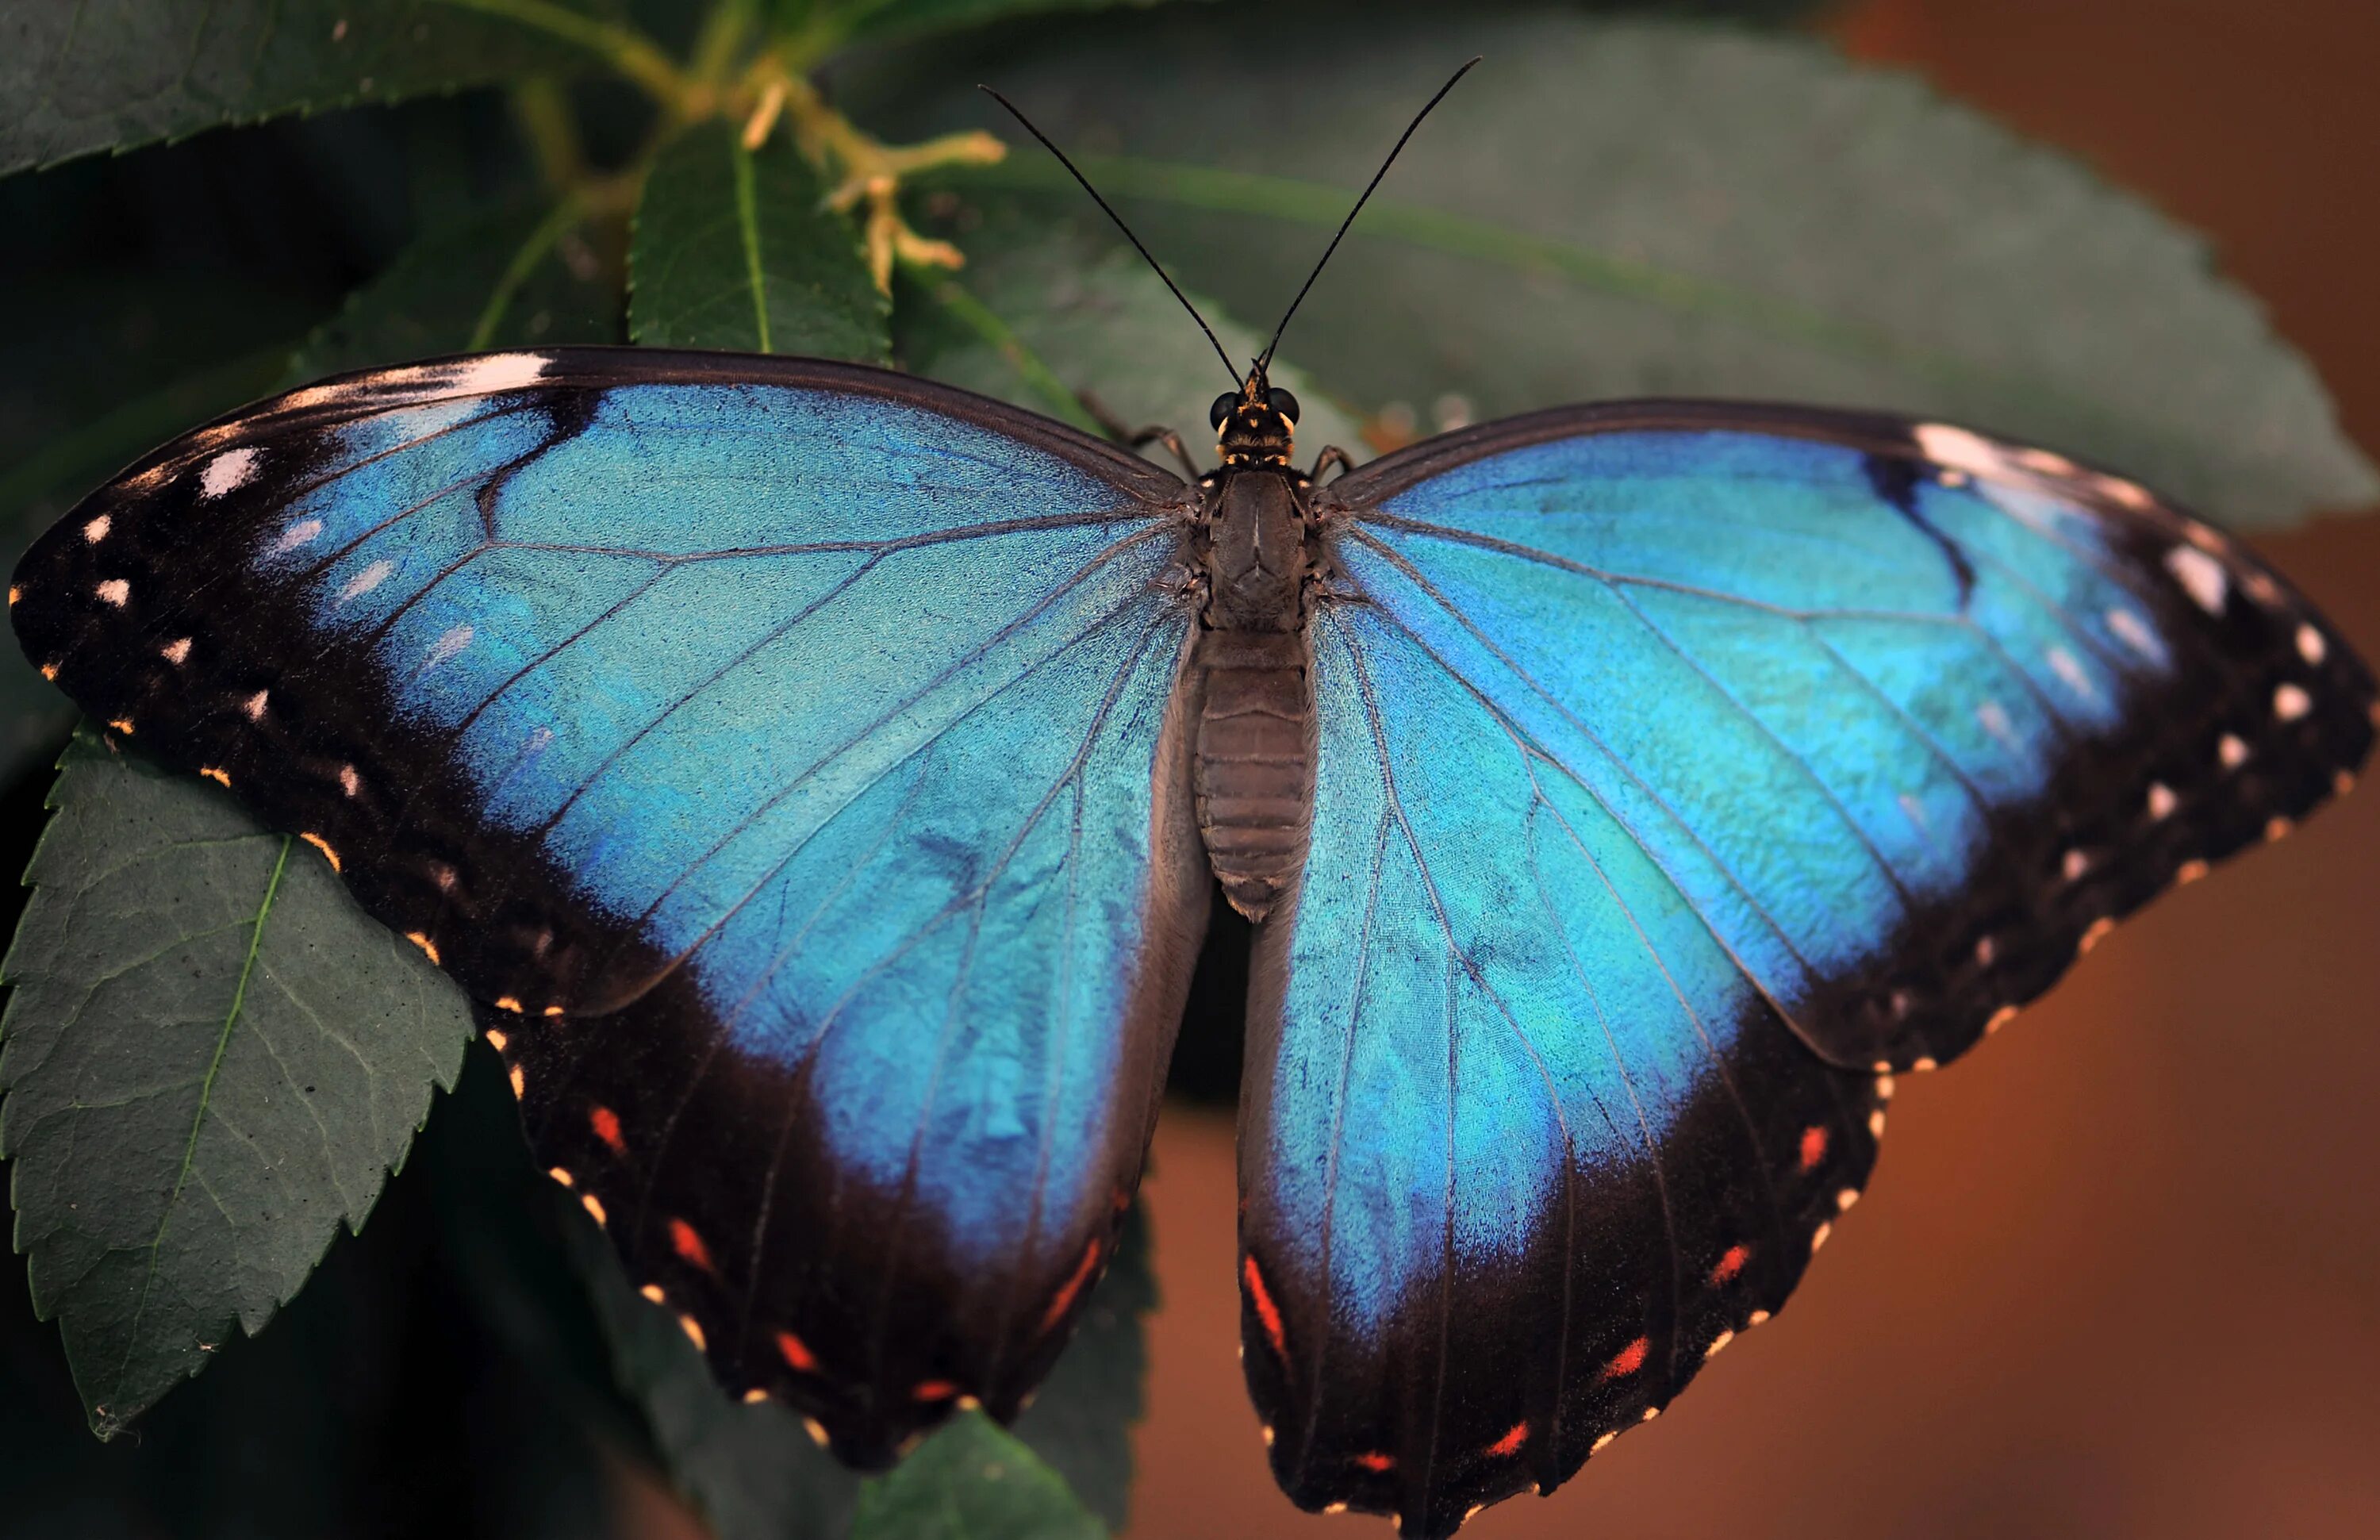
1682,772
1521,1146
784,756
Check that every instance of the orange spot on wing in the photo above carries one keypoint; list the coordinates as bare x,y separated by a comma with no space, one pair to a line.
606,1125
1374,1461
1731,1264
1814,1148
1510,1443
796,1354
1065,1298
123,726
429,948
325,846
1268,1315
934,1390
688,1245
218,776
1627,1361
506,1003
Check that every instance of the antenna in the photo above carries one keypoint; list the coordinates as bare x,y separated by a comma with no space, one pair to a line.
1264,359
1127,229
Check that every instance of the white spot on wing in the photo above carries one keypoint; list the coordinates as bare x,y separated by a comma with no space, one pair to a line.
456,639
229,471
2135,633
1994,719
2311,646
497,371
350,782
2231,752
175,651
115,590
96,530
2201,577
2069,670
254,705
366,580
1959,450
294,536
2123,493
2162,801
2290,703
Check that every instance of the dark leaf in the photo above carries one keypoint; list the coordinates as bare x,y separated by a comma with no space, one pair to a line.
1613,208
972,1482
734,251
524,277
212,1059
873,20
77,76
1050,315
84,398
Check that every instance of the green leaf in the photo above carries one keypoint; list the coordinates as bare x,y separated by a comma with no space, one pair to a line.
972,1482
212,1058
1050,315
1613,208
77,75
734,251
520,277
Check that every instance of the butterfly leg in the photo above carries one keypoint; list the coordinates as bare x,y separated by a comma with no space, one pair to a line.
1136,438
1331,456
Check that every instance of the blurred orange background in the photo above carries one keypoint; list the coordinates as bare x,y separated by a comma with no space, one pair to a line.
2117,1271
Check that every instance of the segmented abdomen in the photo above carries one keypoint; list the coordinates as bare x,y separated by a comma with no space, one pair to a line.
1254,769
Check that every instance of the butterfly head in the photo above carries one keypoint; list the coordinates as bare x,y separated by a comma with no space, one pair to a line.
1253,424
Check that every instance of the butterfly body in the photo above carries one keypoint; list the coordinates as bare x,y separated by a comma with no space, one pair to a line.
818,778
1258,549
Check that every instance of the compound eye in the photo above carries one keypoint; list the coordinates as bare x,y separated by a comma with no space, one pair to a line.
1282,402
1222,408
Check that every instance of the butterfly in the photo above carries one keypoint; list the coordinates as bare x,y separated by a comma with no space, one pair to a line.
820,779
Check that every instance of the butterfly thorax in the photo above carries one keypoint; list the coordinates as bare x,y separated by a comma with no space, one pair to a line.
1254,765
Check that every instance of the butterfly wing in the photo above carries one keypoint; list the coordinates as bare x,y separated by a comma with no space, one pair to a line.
784,756
1680,770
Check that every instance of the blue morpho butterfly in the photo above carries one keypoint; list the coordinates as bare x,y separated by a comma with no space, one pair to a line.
815,774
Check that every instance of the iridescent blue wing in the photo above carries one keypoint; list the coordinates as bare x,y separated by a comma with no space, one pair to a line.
1682,772
782,753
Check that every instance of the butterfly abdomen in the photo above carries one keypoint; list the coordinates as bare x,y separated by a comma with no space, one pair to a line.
1254,768
1255,762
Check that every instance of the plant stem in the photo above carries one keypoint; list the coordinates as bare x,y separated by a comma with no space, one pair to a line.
624,48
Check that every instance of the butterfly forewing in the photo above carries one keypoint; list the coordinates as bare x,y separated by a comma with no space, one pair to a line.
784,756
1682,772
